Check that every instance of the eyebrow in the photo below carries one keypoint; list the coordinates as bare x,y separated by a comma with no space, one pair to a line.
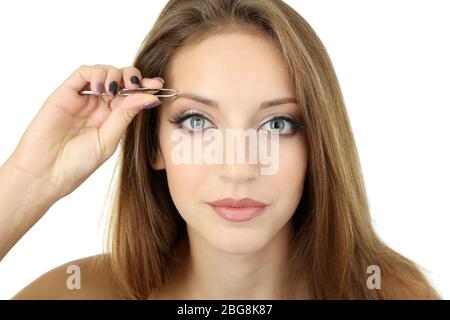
215,104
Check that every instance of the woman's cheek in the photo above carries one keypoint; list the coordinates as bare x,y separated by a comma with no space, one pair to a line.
290,181
184,179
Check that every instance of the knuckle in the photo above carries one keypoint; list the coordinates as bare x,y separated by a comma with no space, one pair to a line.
83,67
135,70
131,69
102,66
115,71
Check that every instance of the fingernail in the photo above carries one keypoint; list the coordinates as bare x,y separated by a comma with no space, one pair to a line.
151,104
160,79
113,87
134,80
100,87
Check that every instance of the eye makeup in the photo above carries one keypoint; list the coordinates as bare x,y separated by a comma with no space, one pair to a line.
287,122
282,121
182,116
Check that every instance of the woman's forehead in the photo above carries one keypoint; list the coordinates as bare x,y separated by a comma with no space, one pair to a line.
239,62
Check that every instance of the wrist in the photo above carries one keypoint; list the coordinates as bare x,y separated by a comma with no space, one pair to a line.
23,187
23,201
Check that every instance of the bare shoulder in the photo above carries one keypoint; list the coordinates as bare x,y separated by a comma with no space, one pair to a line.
86,278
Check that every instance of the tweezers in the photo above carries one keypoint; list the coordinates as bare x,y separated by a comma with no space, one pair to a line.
127,92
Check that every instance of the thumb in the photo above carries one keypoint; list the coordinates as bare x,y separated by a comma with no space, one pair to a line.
113,128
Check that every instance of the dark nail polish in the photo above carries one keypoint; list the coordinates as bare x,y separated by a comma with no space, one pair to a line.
152,104
134,80
100,87
113,86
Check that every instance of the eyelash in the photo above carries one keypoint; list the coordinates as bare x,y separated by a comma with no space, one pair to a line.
296,126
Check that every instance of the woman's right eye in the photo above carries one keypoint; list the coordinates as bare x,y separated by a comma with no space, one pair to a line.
196,123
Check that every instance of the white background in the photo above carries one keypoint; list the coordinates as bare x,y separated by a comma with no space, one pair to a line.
392,61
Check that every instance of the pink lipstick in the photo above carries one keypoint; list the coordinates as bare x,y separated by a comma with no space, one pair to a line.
237,210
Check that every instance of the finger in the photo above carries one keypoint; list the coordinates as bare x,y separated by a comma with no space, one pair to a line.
83,75
98,81
131,77
154,83
116,123
67,96
112,81
151,83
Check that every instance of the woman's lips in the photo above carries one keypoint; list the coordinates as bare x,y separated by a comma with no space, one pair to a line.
238,209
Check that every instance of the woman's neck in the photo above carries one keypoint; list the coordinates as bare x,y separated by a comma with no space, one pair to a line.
207,273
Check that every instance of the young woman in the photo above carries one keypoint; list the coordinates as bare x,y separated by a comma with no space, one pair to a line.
190,231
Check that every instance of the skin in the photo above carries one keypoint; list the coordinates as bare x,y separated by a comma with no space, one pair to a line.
222,259
233,260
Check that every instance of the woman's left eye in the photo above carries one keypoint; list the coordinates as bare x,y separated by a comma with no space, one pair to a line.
281,125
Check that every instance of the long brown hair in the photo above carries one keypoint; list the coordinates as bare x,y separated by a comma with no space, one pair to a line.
334,236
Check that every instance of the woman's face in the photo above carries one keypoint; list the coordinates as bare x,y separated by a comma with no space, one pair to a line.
239,71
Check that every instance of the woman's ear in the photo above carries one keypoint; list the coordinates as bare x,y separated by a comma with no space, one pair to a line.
158,162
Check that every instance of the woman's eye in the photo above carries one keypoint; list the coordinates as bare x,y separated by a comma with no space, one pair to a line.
196,123
279,125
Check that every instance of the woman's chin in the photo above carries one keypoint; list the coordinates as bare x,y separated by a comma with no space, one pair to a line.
238,244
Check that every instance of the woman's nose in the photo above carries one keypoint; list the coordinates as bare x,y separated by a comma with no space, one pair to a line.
238,165
238,172
245,153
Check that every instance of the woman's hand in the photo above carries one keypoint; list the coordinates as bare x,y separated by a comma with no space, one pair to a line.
73,134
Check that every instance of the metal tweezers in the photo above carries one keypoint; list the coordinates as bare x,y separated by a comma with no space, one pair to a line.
127,92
